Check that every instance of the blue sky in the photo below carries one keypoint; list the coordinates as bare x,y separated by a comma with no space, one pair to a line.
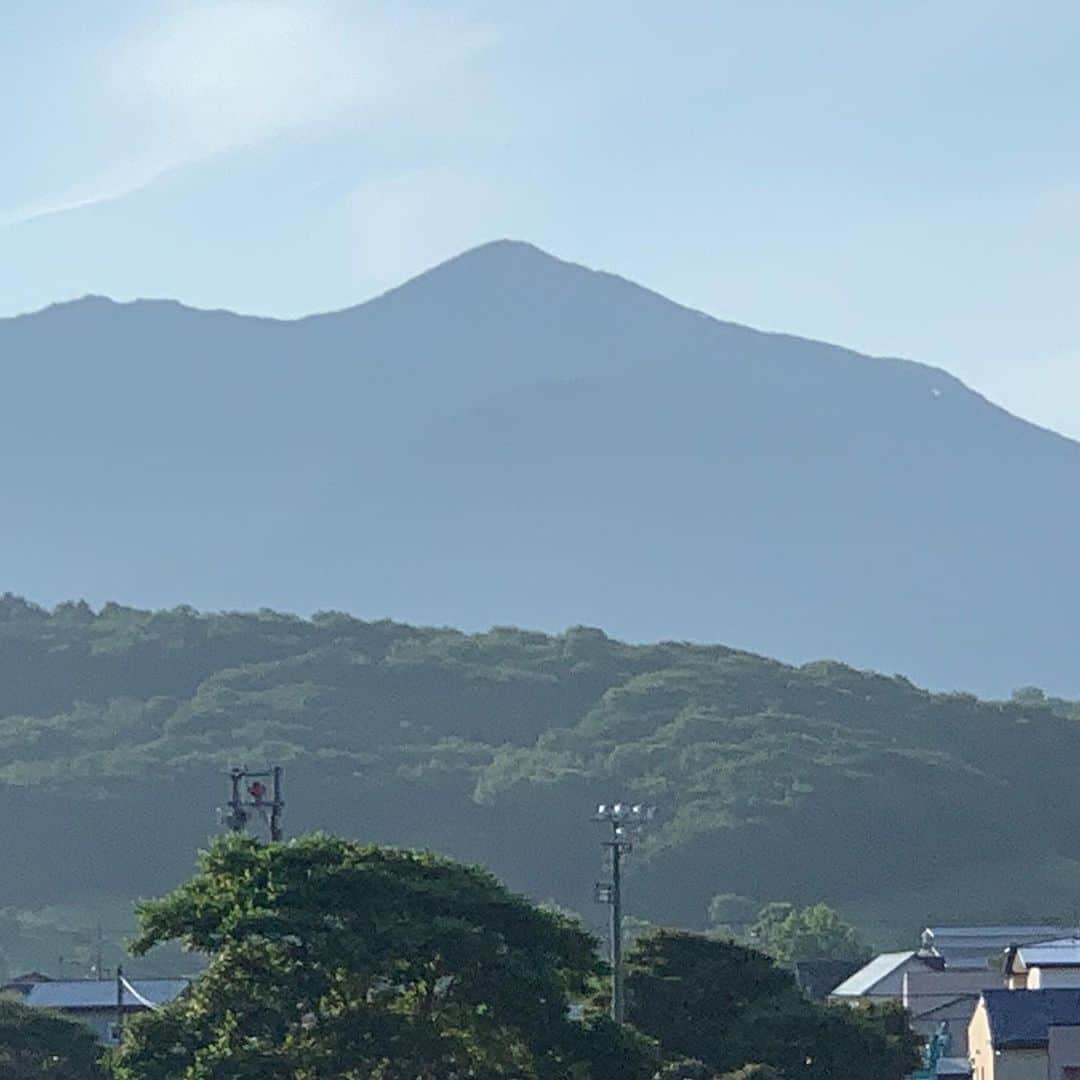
901,177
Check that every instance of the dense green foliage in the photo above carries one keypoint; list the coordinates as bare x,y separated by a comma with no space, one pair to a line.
790,934
754,1071
730,1007
330,958
813,783
36,1044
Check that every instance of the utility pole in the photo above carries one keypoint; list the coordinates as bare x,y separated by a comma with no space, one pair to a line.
99,955
252,797
623,818
276,807
119,1001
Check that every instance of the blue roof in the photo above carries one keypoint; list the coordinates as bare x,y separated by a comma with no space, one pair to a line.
101,993
971,946
1063,952
954,1066
1022,1019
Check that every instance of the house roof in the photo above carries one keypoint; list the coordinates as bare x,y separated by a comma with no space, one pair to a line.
972,946
953,1066
1061,952
818,978
869,975
948,1009
101,993
1021,1019
22,983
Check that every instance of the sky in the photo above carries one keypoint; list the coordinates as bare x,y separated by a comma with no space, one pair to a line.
898,176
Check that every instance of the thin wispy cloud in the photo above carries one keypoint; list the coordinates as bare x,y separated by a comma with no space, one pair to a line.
207,79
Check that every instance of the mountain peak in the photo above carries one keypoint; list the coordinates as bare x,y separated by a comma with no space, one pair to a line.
513,437
498,258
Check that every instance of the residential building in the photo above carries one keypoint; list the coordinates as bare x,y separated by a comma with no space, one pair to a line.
93,1002
882,979
1026,1035
944,996
1044,965
953,1068
940,982
981,946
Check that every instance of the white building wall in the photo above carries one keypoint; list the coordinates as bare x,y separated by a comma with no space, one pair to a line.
1040,978
990,1064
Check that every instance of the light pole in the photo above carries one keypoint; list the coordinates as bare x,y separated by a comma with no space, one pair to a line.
623,818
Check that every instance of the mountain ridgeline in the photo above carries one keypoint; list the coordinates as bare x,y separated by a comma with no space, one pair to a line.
513,439
807,783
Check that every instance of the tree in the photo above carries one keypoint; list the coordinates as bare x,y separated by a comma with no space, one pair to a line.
331,958
791,934
727,1006
1029,695
685,1069
37,1044
730,912
754,1071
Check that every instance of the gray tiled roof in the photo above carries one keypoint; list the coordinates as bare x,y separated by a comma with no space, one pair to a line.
867,977
101,993
972,946
1062,952
1022,1019
953,1066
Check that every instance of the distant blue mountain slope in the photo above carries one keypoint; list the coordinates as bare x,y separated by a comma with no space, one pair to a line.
513,439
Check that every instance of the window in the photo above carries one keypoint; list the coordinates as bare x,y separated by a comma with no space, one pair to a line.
1070,1072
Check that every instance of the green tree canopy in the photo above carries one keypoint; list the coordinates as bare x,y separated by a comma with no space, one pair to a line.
789,934
729,911
36,1044
728,1006
112,715
754,1071
331,958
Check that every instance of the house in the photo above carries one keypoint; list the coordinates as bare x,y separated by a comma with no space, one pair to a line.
21,983
1044,965
981,946
940,983
932,994
953,1068
1026,1035
945,997
94,1002
882,979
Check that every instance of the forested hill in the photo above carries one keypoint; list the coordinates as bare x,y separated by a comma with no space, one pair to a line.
512,438
774,782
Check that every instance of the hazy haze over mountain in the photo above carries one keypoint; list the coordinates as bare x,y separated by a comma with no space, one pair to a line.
513,439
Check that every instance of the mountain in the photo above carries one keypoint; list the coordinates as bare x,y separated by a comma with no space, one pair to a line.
513,439
819,782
